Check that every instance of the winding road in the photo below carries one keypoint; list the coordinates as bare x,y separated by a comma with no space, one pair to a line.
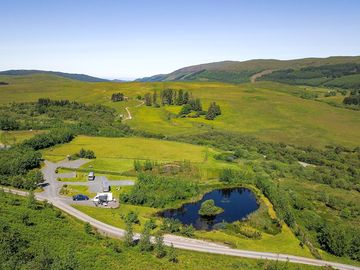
51,194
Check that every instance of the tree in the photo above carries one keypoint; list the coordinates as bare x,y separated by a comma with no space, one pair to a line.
117,97
180,97
31,201
185,110
148,101
137,165
160,251
155,98
129,235
8,123
172,254
144,243
213,111
186,97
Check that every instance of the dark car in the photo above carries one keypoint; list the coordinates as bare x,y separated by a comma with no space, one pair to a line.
80,197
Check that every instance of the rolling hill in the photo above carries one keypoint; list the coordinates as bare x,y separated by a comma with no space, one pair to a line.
78,77
267,110
239,72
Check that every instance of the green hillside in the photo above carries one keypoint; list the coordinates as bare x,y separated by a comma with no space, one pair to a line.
79,77
265,109
238,72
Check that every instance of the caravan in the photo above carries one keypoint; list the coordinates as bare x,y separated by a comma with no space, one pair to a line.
103,198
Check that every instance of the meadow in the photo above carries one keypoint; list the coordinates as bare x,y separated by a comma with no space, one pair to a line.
266,110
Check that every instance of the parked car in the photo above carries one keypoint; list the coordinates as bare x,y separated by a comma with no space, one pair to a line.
91,176
80,197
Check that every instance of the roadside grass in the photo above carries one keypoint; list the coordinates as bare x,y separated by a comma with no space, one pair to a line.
284,242
114,217
71,190
267,110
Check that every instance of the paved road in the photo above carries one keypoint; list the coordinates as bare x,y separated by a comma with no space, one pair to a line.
50,193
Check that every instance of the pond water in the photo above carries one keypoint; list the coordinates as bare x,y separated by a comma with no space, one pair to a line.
236,202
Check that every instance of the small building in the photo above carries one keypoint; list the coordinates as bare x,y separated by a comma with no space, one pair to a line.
91,176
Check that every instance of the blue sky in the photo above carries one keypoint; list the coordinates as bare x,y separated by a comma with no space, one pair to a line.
129,39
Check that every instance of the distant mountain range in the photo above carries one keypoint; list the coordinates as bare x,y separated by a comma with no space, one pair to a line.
79,77
239,72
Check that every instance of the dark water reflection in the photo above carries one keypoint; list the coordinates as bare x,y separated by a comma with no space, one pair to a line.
236,202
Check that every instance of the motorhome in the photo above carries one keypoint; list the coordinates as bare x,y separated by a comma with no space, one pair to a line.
103,198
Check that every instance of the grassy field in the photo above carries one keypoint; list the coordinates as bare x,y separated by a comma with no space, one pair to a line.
67,234
263,109
14,137
118,154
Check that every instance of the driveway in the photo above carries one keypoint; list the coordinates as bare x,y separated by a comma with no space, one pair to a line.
52,190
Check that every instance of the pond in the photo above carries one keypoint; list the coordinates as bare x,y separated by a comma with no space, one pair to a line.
237,203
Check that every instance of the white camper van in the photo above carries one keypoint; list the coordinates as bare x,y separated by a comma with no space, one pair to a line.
103,198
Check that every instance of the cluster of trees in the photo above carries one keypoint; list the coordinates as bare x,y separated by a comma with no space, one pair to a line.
16,167
337,240
174,97
167,97
4,83
145,244
8,123
158,191
147,165
335,166
117,97
194,105
315,75
85,119
17,164
55,136
213,111
353,99
83,154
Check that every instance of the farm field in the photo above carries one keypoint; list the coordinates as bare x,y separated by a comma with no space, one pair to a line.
263,109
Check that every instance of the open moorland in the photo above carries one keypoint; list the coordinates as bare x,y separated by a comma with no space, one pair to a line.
293,149
269,111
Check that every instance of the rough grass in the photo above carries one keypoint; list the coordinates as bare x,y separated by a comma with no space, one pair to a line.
263,109
15,137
